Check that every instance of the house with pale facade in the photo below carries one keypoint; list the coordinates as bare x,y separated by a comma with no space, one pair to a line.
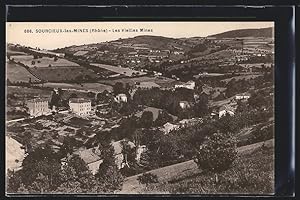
80,106
121,98
189,85
226,109
184,104
242,96
38,106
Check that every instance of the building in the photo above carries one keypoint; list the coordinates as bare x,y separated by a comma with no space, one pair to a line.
90,156
184,104
168,127
226,109
80,106
242,96
189,85
121,98
37,107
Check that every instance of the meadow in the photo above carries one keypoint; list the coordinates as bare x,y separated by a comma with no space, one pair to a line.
42,62
92,87
16,73
119,70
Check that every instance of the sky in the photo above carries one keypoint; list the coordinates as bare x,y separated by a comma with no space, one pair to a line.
15,31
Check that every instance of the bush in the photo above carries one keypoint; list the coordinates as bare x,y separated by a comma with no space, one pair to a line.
147,178
217,153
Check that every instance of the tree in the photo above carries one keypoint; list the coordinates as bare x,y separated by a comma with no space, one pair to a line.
217,153
146,120
73,95
118,88
150,159
129,159
76,177
163,117
55,58
40,170
108,174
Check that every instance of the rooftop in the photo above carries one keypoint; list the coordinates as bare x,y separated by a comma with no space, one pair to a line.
88,155
227,108
37,100
79,100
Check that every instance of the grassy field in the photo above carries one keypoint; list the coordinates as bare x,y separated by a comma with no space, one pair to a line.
14,53
252,172
16,73
43,62
119,70
162,81
61,74
93,87
258,65
246,77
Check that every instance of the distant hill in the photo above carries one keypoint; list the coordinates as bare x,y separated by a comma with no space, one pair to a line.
262,32
155,42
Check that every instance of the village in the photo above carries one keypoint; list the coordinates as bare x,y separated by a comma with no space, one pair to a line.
138,99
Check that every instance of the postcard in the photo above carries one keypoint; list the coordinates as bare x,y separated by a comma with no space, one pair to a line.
153,107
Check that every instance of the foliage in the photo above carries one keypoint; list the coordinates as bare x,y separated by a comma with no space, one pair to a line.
163,117
108,174
249,174
147,178
43,172
39,173
217,153
119,88
146,120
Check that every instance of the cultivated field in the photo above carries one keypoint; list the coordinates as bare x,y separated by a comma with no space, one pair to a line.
43,62
93,87
119,70
17,73
24,92
61,74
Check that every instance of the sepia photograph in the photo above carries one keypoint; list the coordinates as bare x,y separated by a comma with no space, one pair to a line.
144,107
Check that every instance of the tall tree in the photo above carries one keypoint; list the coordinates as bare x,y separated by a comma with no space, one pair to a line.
146,120
217,153
108,174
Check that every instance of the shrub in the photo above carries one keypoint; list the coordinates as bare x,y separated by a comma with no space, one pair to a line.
147,178
217,153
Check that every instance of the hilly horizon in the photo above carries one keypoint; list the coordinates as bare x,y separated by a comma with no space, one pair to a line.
261,32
